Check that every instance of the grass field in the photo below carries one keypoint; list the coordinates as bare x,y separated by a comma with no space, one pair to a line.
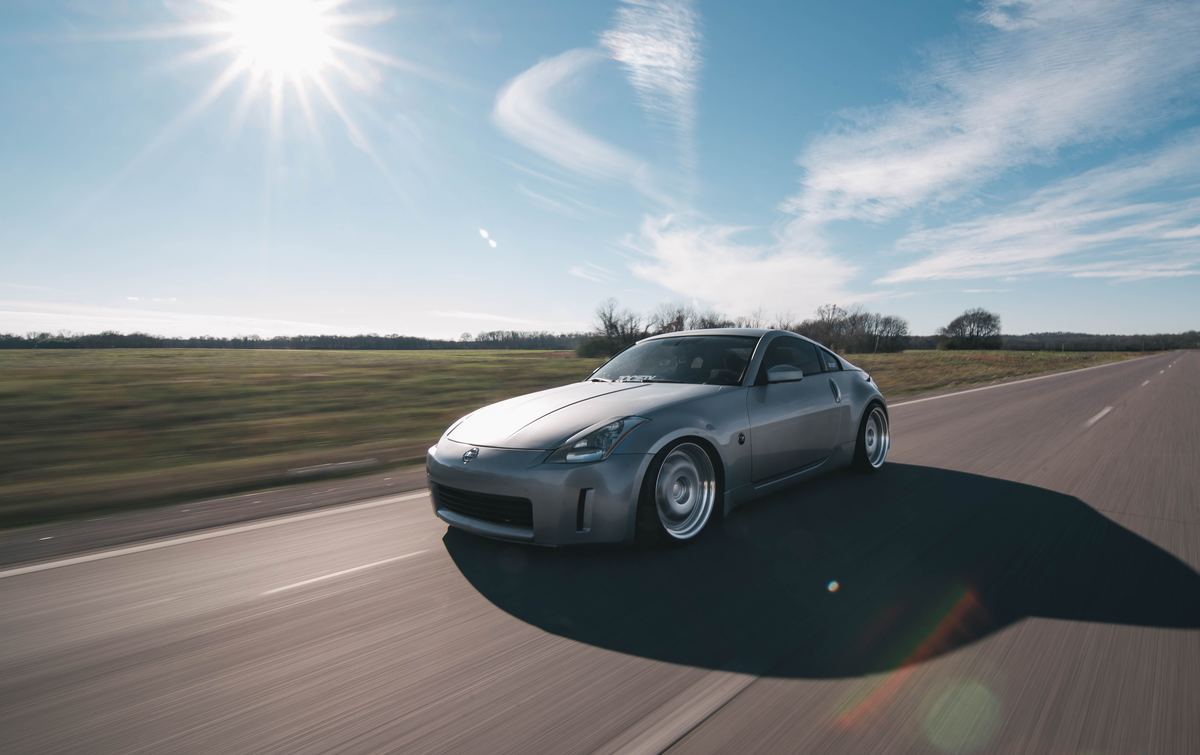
81,430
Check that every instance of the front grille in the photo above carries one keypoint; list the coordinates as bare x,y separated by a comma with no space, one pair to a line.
501,509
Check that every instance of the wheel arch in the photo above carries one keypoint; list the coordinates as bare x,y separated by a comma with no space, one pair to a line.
708,444
659,451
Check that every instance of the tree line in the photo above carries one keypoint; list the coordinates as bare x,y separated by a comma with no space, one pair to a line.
855,330
492,339
852,330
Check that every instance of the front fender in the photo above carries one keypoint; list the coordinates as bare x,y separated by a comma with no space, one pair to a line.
719,421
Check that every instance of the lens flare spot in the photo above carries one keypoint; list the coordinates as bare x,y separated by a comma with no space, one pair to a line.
963,718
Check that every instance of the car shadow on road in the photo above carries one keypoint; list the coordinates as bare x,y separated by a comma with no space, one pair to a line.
845,575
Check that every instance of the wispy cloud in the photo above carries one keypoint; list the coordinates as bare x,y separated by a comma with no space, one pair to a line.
1034,78
712,263
590,271
23,316
482,316
27,287
659,44
1132,219
561,203
527,111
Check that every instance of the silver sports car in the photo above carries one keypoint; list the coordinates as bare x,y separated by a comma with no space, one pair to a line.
675,430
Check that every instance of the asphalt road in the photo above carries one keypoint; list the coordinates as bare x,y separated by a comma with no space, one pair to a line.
1021,578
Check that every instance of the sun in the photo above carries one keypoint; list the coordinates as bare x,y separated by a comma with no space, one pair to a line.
289,58
281,38
284,53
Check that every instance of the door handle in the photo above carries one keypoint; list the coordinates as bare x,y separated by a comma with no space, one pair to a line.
837,392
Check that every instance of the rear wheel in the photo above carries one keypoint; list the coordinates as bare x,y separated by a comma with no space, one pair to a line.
874,440
679,494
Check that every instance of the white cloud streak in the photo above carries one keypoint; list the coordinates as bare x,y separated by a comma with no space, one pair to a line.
1037,78
481,316
711,263
590,271
526,111
659,44
24,316
1133,219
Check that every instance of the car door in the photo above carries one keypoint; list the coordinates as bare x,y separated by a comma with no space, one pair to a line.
793,420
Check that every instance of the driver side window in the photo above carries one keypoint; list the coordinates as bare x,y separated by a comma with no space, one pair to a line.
791,353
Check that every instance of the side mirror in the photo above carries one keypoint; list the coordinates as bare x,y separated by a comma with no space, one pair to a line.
784,373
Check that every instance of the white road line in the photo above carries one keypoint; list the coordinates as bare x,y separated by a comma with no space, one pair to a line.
666,725
1013,382
341,573
210,534
1145,383
1097,416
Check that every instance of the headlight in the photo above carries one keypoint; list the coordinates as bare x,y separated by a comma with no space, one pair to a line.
596,443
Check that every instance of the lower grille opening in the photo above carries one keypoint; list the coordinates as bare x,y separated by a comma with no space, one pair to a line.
501,509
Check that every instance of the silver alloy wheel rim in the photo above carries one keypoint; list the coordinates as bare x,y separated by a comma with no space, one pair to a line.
876,438
685,491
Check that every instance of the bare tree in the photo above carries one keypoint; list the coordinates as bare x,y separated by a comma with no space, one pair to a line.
756,319
672,318
616,328
710,319
855,329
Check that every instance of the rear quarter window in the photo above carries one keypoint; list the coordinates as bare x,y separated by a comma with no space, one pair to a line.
830,362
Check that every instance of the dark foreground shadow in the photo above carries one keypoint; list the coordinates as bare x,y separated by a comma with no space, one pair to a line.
845,575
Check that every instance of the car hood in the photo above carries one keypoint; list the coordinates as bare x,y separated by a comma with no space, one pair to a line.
546,419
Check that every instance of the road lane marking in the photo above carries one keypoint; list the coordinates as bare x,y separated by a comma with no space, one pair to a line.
1145,383
666,725
1013,382
1097,417
210,534
342,573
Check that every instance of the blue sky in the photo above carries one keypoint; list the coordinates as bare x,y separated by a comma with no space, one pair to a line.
233,167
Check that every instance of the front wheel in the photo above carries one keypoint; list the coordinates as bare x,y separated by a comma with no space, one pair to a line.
874,440
678,496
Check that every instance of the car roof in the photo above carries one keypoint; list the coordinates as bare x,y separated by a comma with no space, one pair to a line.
755,332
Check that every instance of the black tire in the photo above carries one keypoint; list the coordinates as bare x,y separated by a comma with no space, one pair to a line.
868,459
648,529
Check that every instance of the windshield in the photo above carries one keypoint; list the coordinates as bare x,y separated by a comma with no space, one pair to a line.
716,360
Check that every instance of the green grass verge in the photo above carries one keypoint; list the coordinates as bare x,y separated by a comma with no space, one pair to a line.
915,373
91,429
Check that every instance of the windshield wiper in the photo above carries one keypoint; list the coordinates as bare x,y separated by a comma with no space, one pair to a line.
599,380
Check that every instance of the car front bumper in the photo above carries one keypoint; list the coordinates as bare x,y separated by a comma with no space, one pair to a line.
568,503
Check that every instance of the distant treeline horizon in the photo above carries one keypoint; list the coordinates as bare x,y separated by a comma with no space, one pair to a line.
515,339
495,339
